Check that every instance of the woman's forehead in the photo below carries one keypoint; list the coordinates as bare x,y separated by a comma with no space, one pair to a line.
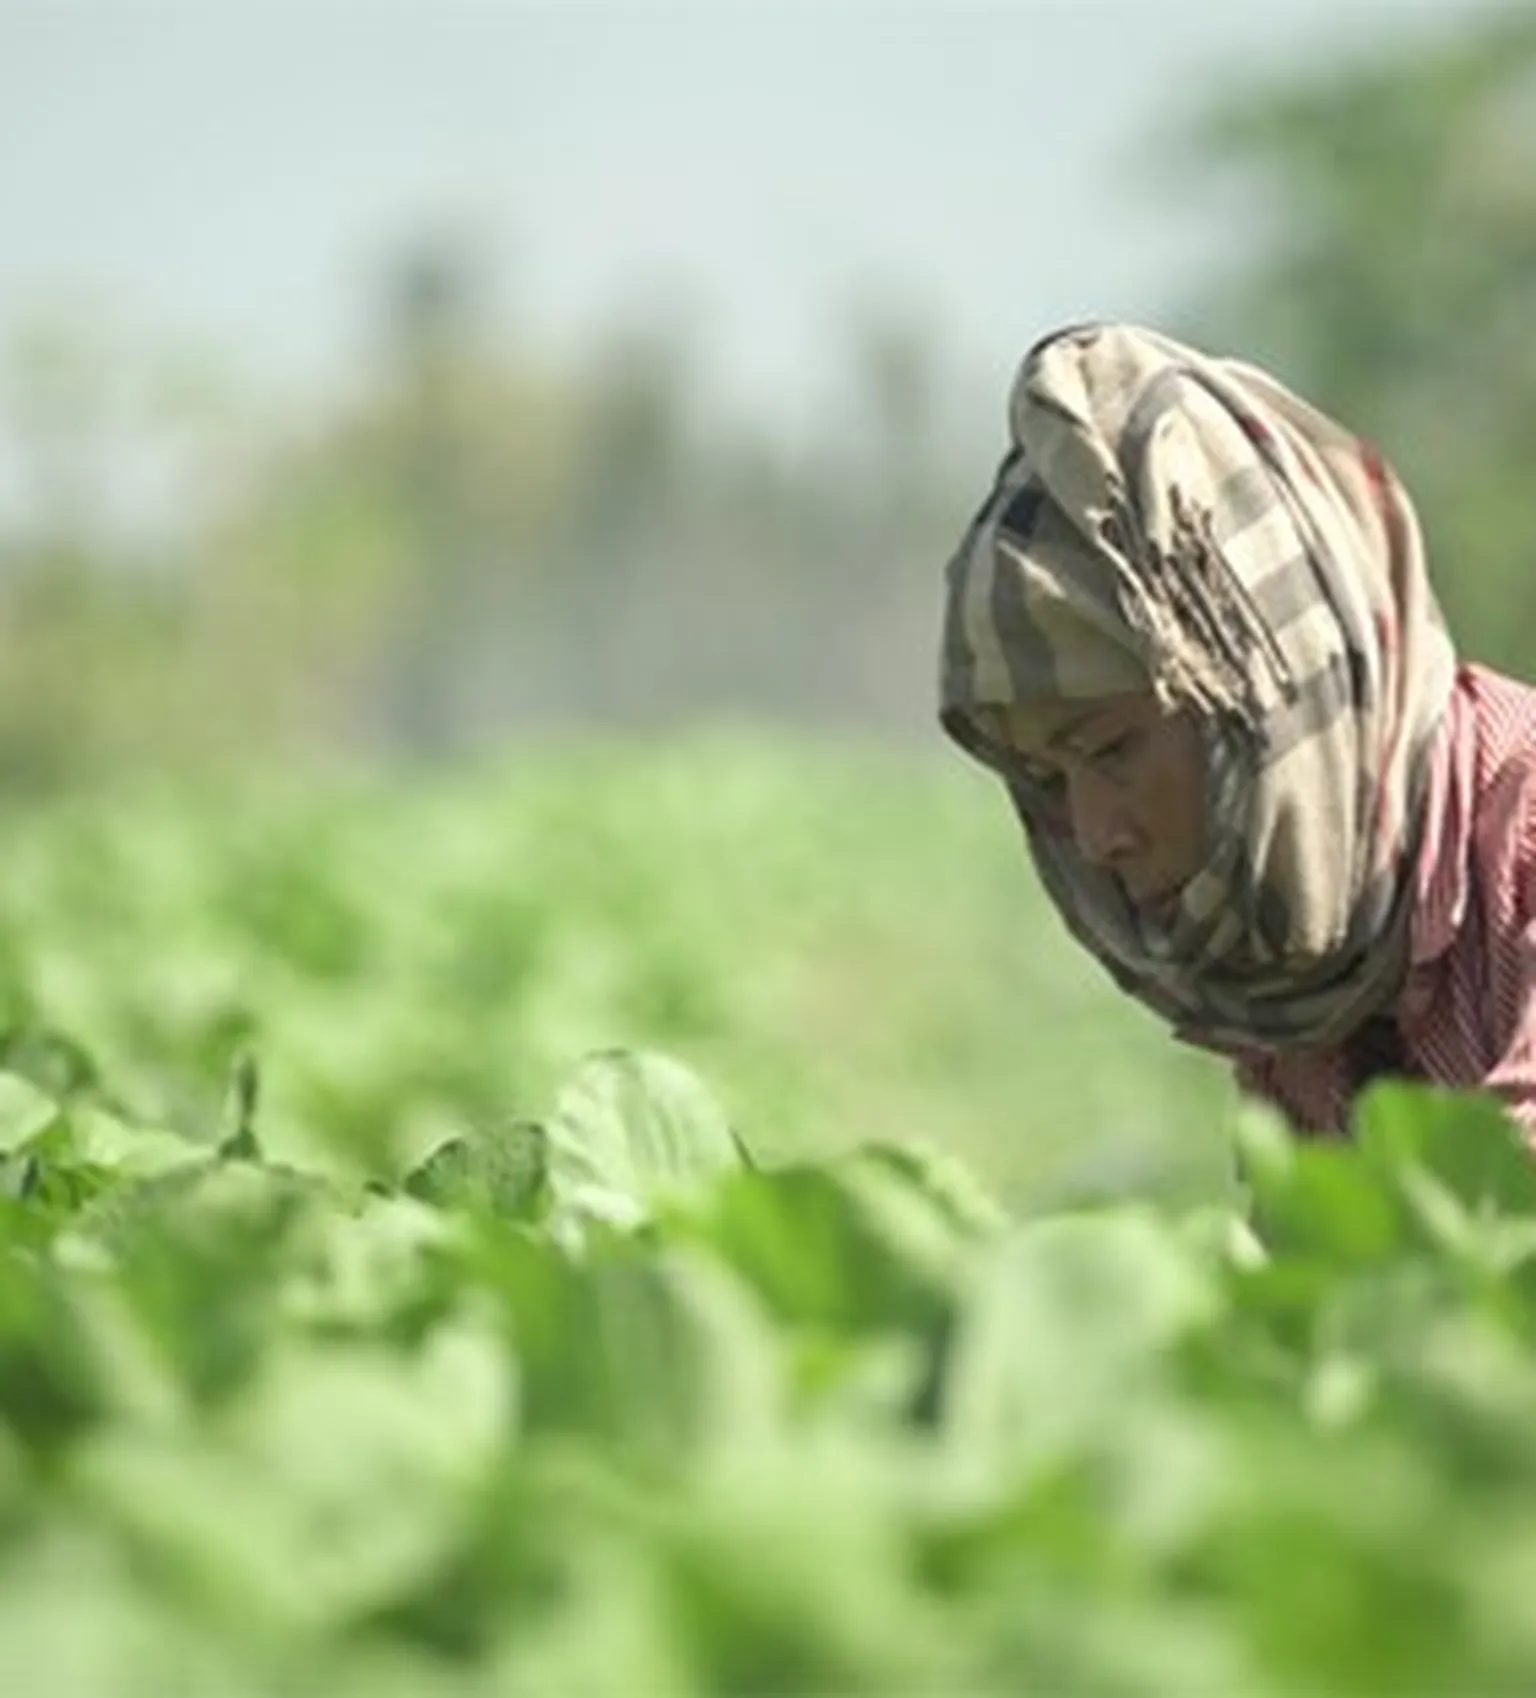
1036,723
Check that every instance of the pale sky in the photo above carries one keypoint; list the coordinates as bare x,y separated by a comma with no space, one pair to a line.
230,172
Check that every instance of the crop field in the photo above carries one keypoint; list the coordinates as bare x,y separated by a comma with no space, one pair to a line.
846,945
682,1221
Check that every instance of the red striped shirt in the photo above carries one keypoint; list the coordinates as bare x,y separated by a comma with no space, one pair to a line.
1467,1013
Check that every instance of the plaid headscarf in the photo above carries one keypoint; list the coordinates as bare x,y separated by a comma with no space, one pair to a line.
1173,522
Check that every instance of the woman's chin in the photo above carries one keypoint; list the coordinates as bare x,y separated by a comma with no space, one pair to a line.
1153,899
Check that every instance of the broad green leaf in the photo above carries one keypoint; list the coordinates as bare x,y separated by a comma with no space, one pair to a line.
1044,1633
1341,1557
1465,1387
639,1125
1332,1206
25,1112
943,1181
1316,1199
385,1267
76,1621
792,1569
203,1256
503,1172
658,1350
1467,1143
1500,1568
850,1246
124,1209
611,1631
337,1482
133,1152
52,1061
51,1381
1070,1325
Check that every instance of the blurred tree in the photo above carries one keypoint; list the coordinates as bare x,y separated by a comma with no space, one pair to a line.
437,353
93,649
894,374
372,565
618,561
57,386
1392,278
469,545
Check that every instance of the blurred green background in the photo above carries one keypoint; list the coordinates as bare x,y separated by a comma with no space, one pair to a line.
525,641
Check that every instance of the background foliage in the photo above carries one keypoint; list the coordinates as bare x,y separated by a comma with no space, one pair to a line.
1391,276
476,545
407,957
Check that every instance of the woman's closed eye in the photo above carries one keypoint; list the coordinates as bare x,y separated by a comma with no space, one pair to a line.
1113,753
1110,756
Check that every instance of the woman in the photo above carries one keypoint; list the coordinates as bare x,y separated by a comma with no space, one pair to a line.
1191,630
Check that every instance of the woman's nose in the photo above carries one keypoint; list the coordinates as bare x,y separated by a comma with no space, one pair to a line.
1102,826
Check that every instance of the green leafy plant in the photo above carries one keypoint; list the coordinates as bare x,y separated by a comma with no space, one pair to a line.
599,1402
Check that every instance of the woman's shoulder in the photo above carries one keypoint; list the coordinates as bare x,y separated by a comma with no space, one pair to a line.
1504,720
1504,712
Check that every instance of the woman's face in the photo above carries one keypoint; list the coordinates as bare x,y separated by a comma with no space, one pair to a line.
1129,777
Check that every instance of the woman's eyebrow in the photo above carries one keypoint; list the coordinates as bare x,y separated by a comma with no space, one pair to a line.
1066,732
